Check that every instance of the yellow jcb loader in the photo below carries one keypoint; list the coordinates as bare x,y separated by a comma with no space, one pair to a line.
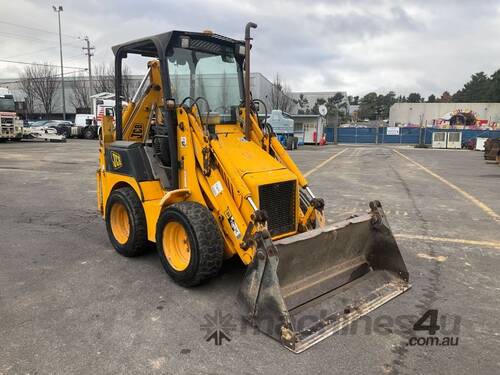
189,166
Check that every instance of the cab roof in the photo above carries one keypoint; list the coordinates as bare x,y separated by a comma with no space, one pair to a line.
153,46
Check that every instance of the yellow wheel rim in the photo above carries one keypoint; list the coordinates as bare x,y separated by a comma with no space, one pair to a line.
176,246
120,224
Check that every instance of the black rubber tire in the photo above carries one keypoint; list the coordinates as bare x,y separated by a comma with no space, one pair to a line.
137,243
206,243
89,133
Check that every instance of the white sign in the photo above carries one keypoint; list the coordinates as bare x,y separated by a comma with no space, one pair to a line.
216,188
392,130
322,110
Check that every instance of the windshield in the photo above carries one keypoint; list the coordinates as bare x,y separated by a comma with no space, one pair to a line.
213,77
7,104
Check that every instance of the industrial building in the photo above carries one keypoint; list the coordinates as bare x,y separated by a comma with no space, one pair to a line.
446,115
261,88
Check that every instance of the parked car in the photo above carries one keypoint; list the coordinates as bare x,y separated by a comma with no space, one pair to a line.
61,127
470,144
37,124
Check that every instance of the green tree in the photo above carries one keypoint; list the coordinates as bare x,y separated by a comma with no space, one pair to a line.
414,97
368,106
476,90
445,97
494,89
315,107
385,104
431,98
303,104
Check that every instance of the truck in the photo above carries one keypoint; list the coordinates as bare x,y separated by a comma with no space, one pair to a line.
11,127
87,125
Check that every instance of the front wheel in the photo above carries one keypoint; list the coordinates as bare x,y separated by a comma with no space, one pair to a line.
189,243
126,222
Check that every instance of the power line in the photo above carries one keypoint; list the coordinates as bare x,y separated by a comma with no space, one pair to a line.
31,53
36,29
74,56
27,37
27,63
18,80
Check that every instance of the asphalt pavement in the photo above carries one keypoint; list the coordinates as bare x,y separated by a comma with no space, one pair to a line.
70,304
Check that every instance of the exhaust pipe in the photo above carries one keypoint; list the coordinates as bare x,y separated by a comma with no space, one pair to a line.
249,26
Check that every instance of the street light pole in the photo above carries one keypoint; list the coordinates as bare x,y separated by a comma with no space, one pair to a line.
59,10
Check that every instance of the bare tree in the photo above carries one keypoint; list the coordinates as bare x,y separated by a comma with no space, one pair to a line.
127,86
281,95
80,95
42,83
29,99
104,79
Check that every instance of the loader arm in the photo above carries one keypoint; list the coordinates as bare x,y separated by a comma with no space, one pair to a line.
145,107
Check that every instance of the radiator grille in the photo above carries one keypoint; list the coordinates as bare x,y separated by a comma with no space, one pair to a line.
278,200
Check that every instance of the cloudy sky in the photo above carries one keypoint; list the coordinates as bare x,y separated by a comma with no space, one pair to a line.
357,46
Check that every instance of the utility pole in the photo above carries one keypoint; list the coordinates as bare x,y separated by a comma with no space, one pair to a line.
59,10
89,54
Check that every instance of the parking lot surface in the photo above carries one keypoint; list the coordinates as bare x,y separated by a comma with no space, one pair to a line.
70,304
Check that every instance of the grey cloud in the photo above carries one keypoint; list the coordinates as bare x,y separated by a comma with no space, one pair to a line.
357,46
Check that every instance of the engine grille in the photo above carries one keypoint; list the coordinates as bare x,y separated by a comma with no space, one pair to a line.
278,200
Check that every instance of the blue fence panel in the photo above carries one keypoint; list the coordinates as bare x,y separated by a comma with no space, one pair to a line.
347,135
384,138
406,135
467,134
329,134
365,135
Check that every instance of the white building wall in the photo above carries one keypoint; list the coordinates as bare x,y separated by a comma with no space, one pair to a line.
425,113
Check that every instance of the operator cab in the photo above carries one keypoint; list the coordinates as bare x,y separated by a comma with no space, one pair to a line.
199,71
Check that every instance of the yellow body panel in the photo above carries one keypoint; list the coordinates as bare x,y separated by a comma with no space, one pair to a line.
222,172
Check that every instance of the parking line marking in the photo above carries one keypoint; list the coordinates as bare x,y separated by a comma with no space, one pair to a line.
487,210
493,244
323,163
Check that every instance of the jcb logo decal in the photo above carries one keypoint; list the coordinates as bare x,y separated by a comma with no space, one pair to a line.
116,160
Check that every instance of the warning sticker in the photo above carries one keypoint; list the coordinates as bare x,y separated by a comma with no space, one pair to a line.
216,188
183,141
233,224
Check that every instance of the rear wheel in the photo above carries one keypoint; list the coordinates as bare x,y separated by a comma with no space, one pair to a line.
89,133
189,243
126,222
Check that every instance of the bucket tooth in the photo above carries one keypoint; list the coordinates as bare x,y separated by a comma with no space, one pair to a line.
302,289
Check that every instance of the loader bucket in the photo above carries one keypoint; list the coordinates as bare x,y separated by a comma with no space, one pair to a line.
301,289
